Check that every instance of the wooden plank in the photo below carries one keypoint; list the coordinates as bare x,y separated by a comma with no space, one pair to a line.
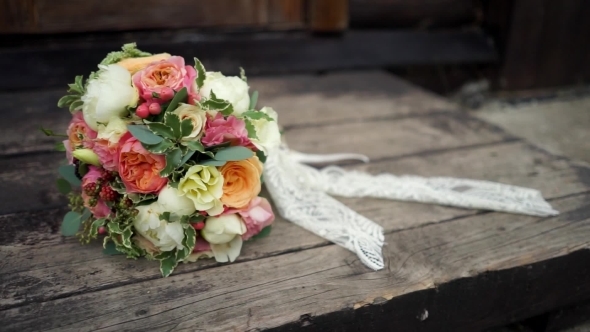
291,52
329,284
301,100
35,174
416,13
31,271
16,15
328,15
59,16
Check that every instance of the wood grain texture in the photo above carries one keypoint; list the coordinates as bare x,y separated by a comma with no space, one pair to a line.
292,52
301,100
59,16
295,288
416,13
31,271
328,15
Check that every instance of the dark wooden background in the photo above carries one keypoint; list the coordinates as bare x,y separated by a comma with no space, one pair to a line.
516,44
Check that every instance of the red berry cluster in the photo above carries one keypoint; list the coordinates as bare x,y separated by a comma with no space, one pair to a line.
108,194
103,190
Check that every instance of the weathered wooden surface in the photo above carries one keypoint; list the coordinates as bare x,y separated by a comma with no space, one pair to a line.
292,52
468,269
51,16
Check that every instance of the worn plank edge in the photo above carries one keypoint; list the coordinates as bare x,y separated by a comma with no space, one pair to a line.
197,267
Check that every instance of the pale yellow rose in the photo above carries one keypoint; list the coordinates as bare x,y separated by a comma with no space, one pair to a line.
197,116
204,186
134,65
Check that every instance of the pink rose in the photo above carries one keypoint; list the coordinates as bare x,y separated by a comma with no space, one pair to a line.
101,209
107,153
68,148
167,73
219,130
80,135
201,245
257,215
139,169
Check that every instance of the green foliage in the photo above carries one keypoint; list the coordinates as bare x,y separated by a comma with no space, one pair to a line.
49,132
59,146
261,156
243,75
159,148
68,172
179,97
110,248
167,263
128,51
212,162
234,153
250,128
201,73
161,129
72,222
173,159
215,104
144,135
263,233
173,121
257,115
253,100
75,92
186,127
63,186
93,232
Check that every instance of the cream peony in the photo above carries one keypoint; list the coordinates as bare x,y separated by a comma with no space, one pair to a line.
230,88
171,200
108,95
113,131
269,135
166,236
224,233
204,186
197,116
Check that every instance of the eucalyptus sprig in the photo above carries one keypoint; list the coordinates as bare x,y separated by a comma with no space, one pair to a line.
73,99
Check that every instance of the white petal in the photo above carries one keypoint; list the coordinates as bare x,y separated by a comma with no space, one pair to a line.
228,251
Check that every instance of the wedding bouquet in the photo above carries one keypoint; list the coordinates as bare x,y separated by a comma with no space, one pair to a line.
165,159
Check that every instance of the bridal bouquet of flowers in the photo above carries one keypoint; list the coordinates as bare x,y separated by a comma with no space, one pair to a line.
165,160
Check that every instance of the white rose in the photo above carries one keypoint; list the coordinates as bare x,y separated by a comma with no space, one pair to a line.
162,234
269,135
224,234
230,88
170,200
112,131
108,95
197,116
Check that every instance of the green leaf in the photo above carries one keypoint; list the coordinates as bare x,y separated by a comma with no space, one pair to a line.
253,100
95,225
144,135
111,249
201,73
71,223
159,148
179,97
76,105
257,115
196,218
114,227
161,129
186,127
63,186
213,103
165,216
190,238
83,169
261,156
251,129
167,265
173,159
69,173
173,121
60,147
243,75
195,146
263,233
186,157
212,162
126,236
234,153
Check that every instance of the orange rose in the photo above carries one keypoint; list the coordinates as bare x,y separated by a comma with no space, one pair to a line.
241,182
140,169
134,65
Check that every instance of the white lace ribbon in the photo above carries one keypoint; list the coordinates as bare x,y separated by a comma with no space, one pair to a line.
302,195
